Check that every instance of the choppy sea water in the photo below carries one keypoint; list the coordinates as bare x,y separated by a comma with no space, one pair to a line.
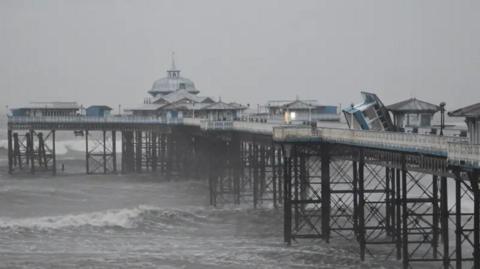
141,221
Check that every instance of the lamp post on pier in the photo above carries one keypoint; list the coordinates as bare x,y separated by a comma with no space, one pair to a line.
442,117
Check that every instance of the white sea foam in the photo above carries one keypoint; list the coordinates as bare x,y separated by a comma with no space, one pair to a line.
65,146
125,218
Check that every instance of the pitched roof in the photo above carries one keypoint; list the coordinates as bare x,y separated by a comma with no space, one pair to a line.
298,104
413,105
100,106
145,107
50,105
223,106
185,106
181,94
284,103
471,111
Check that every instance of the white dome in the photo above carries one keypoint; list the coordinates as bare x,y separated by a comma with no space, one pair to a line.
172,83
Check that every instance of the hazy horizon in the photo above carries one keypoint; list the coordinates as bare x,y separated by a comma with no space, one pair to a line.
110,52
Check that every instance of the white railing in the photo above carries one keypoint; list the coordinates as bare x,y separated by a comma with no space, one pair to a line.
88,119
216,125
464,153
255,127
192,121
397,141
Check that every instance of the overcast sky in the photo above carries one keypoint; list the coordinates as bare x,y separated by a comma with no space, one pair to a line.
110,52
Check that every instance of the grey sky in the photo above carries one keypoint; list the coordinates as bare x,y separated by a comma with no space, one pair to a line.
248,51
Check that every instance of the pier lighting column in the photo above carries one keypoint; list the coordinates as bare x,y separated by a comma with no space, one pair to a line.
442,117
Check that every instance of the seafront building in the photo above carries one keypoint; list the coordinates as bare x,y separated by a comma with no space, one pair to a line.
413,113
39,109
298,111
472,118
176,97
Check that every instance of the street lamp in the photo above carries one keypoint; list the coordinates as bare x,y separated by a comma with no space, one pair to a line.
442,117
351,116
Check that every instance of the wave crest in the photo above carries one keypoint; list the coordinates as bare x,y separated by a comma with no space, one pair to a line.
128,218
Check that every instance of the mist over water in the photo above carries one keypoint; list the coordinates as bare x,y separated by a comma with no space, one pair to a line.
142,221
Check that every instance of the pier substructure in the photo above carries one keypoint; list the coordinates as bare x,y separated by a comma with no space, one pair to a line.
395,205
244,169
100,152
31,151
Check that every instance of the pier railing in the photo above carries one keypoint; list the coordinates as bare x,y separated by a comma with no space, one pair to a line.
216,125
253,127
464,154
431,144
88,119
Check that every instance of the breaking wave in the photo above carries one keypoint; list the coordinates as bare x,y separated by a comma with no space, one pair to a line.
129,218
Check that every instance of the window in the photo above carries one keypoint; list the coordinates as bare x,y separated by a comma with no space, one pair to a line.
182,86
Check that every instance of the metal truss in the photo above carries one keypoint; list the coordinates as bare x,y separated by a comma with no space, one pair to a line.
100,151
33,151
396,206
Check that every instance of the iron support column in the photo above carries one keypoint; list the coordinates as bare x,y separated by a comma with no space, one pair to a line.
287,206
10,152
405,214
325,183
274,174
361,205
474,179
104,157
87,152
398,202
435,216
114,151
255,175
458,220
32,152
444,219
54,154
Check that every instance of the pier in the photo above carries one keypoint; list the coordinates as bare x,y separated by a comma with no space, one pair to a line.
404,196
